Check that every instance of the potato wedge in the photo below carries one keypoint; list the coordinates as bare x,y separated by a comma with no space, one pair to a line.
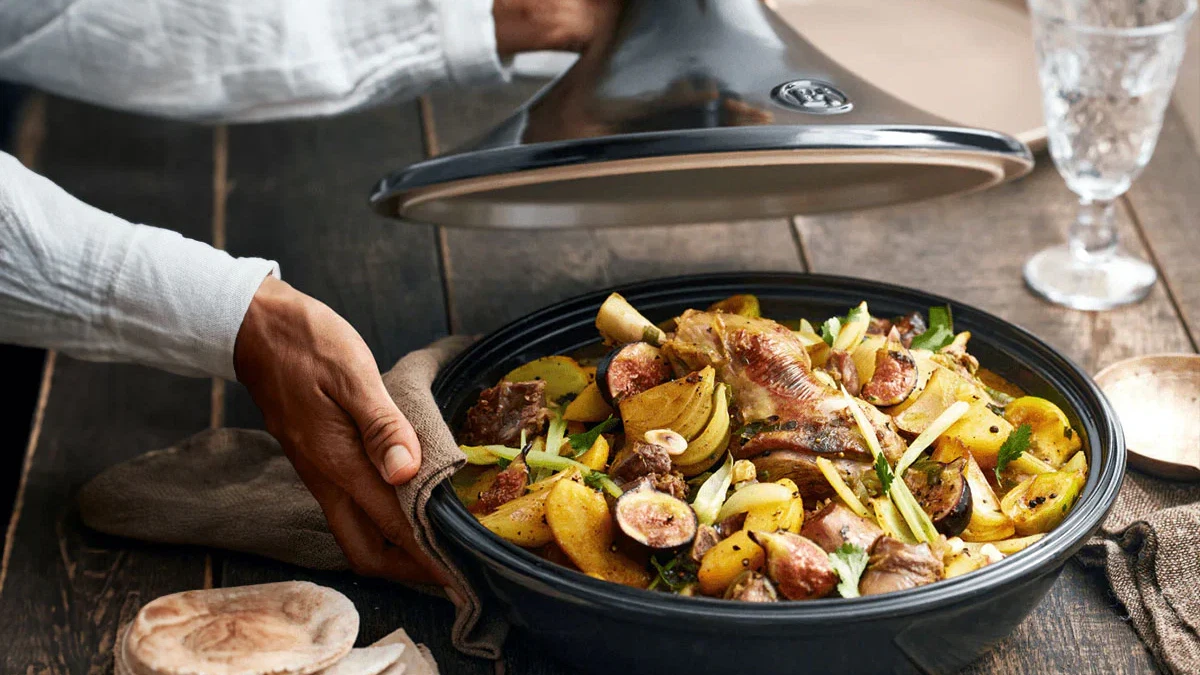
943,389
963,562
771,517
1052,439
864,356
521,521
980,431
580,523
704,450
596,457
588,406
562,375
729,558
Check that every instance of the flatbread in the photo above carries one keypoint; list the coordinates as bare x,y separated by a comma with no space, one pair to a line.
288,628
120,663
417,658
372,660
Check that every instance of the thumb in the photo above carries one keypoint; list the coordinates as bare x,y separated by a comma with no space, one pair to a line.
387,436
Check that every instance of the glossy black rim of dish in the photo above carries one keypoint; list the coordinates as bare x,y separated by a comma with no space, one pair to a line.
1105,442
642,145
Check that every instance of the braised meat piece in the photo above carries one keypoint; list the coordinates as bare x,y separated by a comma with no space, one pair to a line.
801,467
841,368
505,410
896,566
835,525
642,460
510,484
671,483
750,586
707,537
910,325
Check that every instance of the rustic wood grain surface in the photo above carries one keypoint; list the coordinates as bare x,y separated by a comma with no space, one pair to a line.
296,191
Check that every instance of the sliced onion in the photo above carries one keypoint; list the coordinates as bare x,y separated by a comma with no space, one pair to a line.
753,496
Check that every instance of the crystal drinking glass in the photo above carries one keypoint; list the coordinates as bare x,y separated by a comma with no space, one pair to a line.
1107,68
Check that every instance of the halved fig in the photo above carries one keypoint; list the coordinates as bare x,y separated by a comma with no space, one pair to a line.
800,569
895,374
631,369
943,492
750,586
655,519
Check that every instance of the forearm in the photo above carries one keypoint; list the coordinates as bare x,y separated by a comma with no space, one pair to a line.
85,282
242,61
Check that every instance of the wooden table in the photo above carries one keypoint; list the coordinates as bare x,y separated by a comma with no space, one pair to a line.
296,192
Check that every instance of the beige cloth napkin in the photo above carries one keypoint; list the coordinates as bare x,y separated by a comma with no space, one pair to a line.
1149,548
234,489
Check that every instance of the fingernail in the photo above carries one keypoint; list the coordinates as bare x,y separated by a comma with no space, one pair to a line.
396,459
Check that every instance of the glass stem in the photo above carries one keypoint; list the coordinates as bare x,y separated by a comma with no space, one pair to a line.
1094,232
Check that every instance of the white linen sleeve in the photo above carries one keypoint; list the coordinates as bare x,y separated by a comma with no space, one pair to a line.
85,282
239,60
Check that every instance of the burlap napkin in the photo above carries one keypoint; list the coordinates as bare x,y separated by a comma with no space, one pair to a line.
1149,548
234,489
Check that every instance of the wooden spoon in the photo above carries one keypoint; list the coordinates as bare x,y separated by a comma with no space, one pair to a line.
1157,399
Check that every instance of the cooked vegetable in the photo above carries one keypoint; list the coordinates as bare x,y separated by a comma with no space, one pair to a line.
940,332
655,519
800,569
943,493
751,587
839,486
1052,438
849,561
619,322
630,369
684,405
586,440
704,450
674,443
754,496
1040,503
1013,447
981,432
745,305
890,430
588,406
729,558
578,519
523,521
895,375
711,496
562,375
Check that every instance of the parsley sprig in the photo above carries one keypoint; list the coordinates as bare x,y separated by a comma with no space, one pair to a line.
581,442
1014,446
849,560
940,332
884,471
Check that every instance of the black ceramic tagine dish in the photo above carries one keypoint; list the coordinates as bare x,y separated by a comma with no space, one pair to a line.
600,627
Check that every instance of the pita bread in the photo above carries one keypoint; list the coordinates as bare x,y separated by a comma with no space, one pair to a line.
373,660
120,663
288,628
416,658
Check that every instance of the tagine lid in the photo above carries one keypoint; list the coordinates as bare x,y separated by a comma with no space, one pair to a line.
699,111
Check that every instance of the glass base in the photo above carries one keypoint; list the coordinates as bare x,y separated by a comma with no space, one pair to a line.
1101,282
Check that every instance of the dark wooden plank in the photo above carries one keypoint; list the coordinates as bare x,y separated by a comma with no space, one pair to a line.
298,195
66,588
972,248
1166,205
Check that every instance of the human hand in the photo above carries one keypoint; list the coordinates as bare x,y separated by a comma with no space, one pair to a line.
562,25
323,399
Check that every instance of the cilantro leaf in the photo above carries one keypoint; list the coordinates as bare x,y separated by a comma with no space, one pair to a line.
1014,446
940,332
595,480
830,329
884,471
849,560
581,442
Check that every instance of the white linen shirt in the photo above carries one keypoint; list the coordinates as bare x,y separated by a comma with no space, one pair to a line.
83,281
